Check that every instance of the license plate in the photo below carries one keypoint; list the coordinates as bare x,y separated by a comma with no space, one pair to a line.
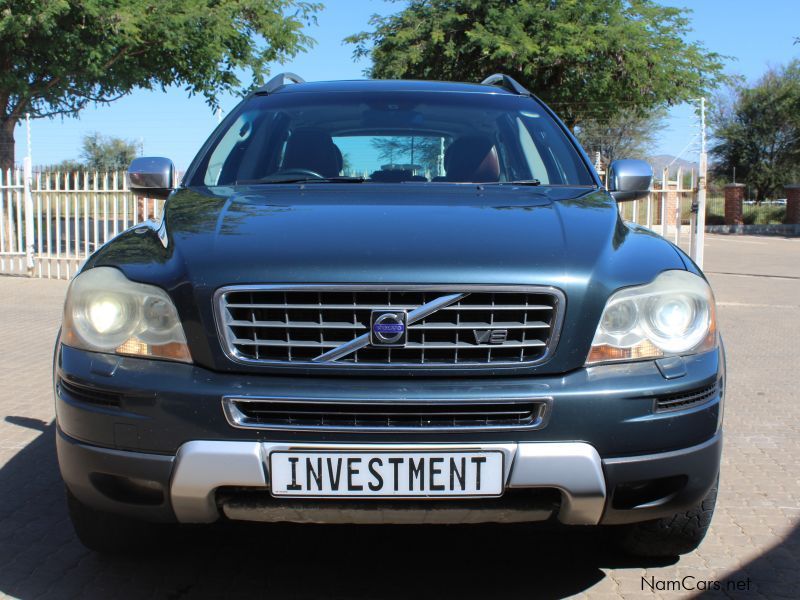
386,473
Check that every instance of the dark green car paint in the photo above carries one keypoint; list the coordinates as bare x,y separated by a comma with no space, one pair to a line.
570,238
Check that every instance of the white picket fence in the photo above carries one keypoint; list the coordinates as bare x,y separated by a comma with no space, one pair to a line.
671,210
51,221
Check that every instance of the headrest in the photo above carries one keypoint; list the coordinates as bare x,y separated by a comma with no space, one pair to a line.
472,158
314,150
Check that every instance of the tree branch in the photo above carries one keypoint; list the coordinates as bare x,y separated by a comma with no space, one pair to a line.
35,92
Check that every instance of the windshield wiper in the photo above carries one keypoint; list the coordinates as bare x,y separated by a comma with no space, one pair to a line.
268,180
517,182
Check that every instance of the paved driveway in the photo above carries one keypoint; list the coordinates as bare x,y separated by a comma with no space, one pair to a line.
754,540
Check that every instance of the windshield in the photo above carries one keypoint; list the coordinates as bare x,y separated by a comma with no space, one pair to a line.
391,138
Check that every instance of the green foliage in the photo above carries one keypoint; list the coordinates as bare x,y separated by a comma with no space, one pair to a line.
623,135
57,56
69,165
589,59
104,154
412,150
757,132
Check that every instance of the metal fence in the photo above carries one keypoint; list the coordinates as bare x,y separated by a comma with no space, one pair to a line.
766,212
50,222
670,210
12,233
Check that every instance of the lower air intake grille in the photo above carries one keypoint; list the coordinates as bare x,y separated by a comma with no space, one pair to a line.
321,415
687,399
330,325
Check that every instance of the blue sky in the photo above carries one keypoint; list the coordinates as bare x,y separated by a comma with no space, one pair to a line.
174,125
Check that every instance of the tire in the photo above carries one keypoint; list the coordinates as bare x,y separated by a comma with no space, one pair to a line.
108,533
679,534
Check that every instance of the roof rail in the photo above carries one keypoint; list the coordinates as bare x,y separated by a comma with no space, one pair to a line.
506,82
279,81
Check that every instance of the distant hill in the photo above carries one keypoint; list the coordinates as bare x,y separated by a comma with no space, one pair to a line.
660,161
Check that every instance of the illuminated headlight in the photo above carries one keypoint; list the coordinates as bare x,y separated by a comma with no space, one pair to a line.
106,312
674,314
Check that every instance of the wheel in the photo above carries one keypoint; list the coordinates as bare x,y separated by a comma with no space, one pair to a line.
108,533
678,534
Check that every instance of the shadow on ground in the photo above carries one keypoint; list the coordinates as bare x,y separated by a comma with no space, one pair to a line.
41,557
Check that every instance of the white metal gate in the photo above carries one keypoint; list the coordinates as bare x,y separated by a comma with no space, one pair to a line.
671,209
12,214
50,222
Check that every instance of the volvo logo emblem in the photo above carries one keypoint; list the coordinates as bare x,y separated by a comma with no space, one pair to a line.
388,328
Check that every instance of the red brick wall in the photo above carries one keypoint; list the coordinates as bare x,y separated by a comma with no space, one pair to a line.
793,203
671,198
734,196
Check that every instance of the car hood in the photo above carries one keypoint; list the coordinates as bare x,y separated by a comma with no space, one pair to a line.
569,238
372,234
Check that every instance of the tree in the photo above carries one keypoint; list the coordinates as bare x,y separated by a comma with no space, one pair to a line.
589,59
58,56
101,153
412,150
757,131
623,135
69,165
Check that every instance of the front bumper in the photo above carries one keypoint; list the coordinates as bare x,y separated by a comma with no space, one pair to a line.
150,439
184,487
156,406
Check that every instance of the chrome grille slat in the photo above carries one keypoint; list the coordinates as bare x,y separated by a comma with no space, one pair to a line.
454,345
503,413
285,343
477,326
489,307
316,306
301,325
388,305
385,415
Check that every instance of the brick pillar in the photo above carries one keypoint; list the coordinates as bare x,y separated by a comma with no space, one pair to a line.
792,203
734,196
672,203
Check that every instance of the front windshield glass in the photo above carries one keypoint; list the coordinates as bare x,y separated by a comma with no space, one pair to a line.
386,137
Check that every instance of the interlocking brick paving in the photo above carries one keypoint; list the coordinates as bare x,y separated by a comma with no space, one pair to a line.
755,536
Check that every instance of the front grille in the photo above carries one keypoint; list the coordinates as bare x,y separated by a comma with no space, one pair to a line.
478,326
514,506
268,413
686,399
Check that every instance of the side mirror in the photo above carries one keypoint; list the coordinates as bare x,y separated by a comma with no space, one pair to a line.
152,176
629,179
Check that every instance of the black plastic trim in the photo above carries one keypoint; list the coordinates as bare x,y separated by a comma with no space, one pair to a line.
86,470
699,464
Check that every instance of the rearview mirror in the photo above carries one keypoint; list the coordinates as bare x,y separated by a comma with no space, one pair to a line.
152,176
629,179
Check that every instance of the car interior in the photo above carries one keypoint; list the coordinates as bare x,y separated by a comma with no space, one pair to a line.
387,143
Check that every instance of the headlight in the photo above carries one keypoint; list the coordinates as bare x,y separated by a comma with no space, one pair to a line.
106,312
674,314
